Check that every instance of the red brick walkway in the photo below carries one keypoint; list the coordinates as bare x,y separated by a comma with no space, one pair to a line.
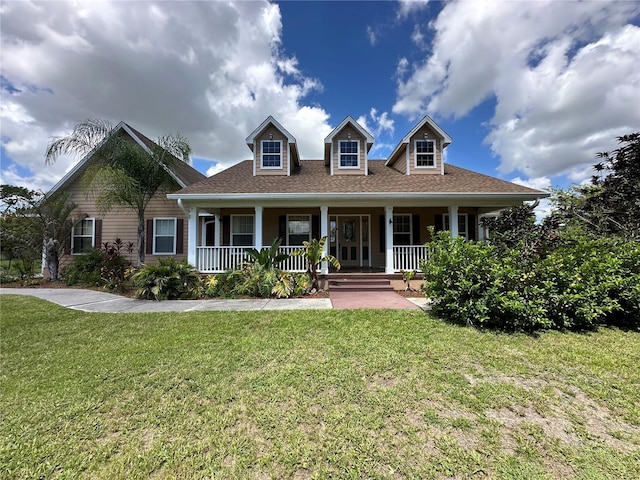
382,299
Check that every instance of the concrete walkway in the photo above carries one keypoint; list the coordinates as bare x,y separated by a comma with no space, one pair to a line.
95,301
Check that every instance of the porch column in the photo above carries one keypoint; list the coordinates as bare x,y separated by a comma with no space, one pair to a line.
216,230
388,222
192,244
480,229
258,228
324,232
453,221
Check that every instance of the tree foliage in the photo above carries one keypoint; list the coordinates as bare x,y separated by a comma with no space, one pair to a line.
610,204
123,173
31,221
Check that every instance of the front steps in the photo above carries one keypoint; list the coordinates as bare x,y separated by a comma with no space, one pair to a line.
359,283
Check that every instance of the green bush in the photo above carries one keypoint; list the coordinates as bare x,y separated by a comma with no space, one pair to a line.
100,267
581,284
167,280
253,280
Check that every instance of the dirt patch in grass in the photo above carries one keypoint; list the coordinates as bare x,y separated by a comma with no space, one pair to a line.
567,412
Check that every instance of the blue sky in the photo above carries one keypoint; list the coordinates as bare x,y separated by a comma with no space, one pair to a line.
528,91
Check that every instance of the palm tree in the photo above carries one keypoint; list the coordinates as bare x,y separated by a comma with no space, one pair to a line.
123,173
313,253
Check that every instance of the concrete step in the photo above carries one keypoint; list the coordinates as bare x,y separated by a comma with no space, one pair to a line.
360,284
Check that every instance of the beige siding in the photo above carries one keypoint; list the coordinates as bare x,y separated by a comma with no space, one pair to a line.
355,136
419,135
122,223
277,135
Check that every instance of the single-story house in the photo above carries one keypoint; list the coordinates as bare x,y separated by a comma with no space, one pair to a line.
374,213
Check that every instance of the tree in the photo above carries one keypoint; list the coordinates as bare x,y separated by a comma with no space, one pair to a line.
610,204
32,221
123,174
313,254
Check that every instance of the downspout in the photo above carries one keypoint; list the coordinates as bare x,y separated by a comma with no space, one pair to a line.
182,207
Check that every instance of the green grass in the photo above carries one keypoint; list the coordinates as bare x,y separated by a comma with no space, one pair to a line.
300,394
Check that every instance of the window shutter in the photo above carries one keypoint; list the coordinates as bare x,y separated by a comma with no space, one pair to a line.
67,244
97,239
226,230
382,233
149,237
315,227
282,229
180,236
472,229
415,221
439,222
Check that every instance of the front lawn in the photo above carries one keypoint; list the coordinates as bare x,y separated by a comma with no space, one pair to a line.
313,394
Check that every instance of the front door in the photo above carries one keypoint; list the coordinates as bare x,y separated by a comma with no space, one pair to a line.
349,241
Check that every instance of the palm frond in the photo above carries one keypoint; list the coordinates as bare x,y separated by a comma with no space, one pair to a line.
86,136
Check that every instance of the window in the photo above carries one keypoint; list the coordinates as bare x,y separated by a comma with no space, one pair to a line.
242,230
463,223
164,236
299,229
82,237
271,154
402,229
425,153
349,154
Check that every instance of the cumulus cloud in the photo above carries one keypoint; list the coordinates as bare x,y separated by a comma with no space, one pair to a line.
371,35
376,123
214,81
408,7
564,76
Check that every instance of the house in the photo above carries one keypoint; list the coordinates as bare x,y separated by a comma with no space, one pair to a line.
374,213
165,229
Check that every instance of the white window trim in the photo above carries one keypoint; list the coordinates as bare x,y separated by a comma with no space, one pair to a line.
410,232
253,234
415,154
445,220
310,226
357,167
93,236
175,235
262,166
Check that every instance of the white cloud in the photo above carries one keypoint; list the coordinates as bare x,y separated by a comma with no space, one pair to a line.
371,35
214,81
408,7
215,168
379,122
417,37
564,76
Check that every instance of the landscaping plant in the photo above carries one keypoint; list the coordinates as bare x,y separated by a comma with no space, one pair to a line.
313,253
168,280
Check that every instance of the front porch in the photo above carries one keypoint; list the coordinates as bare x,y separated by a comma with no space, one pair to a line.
374,239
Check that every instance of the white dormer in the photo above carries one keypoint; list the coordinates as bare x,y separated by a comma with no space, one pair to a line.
275,151
346,149
421,150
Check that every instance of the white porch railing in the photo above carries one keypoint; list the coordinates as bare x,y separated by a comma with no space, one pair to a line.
408,257
221,259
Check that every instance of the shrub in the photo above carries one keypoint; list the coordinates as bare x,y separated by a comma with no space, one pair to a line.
292,285
579,285
167,280
100,267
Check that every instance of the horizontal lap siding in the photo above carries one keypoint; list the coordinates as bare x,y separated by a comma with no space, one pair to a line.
122,222
355,135
277,135
431,135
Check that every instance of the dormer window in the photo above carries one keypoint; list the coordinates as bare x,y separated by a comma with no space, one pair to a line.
349,154
271,154
425,153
